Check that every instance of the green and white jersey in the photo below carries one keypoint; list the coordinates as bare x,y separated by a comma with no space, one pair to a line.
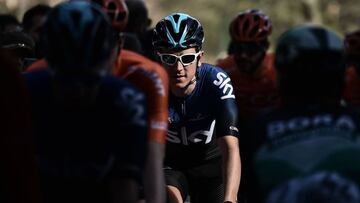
295,142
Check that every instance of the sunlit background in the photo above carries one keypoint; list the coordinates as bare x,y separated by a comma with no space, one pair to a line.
215,15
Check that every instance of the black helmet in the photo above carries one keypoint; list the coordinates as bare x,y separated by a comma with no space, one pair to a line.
308,54
309,44
178,31
78,37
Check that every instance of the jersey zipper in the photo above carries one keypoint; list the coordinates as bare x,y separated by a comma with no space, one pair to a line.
183,129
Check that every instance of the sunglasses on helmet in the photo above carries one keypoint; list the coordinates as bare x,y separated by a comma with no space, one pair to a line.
185,59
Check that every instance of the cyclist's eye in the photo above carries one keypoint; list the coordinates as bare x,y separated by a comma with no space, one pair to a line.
169,59
188,58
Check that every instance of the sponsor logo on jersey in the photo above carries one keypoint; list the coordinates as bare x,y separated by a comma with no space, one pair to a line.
223,83
160,125
183,138
278,128
153,76
133,100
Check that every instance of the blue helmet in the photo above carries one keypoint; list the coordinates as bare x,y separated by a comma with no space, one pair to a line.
178,31
77,38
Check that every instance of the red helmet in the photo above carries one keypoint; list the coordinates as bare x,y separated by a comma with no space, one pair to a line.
250,26
117,11
352,43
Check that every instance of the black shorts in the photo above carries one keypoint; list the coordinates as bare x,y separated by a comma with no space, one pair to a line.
203,183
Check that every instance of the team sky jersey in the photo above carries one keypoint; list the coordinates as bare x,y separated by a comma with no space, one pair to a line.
153,80
149,77
197,120
253,93
296,141
80,149
352,87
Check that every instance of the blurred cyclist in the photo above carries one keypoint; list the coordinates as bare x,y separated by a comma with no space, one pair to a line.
90,127
33,22
19,173
251,70
202,155
312,130
152,79
250,67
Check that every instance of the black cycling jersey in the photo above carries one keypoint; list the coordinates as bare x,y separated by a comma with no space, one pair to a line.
297,141
197,120
79,150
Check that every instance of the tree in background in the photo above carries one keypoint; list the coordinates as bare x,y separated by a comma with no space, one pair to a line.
341,15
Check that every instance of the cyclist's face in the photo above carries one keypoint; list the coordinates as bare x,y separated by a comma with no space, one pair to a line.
249,56
181,66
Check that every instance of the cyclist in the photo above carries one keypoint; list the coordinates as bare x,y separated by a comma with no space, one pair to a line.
19,174
312,130
19,46
152,79
202,136
90,127
33,21
249,66
352,86
251,69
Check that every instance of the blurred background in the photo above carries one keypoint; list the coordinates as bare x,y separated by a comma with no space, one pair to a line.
341,15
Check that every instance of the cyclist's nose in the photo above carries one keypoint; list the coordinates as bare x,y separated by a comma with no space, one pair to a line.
179,65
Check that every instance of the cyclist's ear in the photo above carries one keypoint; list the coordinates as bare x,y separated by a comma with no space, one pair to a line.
199,58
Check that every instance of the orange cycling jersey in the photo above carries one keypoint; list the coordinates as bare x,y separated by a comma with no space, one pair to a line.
352,87
152,79
254,93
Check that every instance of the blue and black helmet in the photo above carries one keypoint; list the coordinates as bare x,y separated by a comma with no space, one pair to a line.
77,37
309,44
178,31
303,55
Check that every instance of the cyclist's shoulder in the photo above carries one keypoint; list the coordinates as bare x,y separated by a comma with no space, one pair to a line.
37,65
226,62
210,70
117,85
209,73
215,81
133,61
130,58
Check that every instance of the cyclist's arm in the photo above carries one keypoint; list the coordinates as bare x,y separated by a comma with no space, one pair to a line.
155,86
130,124
229,147
227,134
154,180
